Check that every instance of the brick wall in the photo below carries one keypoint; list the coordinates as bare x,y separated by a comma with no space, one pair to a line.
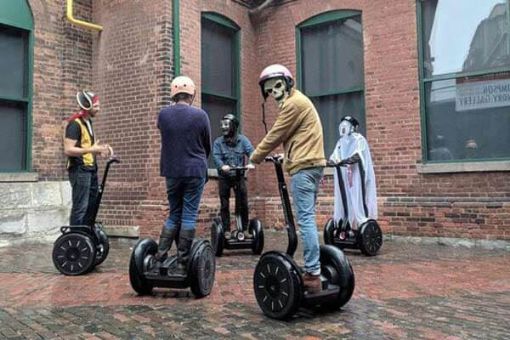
454,205
62,65
130,65
132,72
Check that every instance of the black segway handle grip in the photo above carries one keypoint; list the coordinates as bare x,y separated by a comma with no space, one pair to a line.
241,168
333,164
274,159
112,160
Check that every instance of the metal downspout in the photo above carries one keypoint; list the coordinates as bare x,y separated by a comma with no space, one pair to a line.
81,23
176,37
257,10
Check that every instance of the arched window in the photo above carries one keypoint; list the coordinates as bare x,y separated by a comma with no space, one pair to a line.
220,69
330,69
16,46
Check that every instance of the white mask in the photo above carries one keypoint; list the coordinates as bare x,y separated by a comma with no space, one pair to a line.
276,87
345,128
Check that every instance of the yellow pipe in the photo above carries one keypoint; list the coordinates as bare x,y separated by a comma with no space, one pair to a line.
78,22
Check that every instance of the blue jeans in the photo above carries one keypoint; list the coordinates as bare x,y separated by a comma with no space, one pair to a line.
84,191
184,195
305,186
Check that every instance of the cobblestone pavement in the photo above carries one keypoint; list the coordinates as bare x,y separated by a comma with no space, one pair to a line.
408,291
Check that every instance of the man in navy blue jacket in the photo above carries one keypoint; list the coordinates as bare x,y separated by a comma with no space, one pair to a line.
229,151
185,147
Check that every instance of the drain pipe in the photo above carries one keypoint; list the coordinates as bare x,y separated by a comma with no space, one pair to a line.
176,37
259,9
81,23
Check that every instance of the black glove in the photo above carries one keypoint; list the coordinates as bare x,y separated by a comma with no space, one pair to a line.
351,160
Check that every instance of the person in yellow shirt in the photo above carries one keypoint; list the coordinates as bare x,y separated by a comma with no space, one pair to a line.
81,148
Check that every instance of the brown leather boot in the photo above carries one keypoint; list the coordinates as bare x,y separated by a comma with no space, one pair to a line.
312,283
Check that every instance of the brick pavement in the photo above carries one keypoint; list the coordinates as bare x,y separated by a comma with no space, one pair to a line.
408,291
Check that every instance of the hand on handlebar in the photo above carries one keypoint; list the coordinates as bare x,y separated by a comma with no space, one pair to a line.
275,157
107,152
335,163
250,166
225,168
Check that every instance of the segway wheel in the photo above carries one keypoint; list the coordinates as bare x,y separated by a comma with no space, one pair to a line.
202,269
370,238
142,249
74,254
329,231
278,286
217,237
103,248
338,270
257,231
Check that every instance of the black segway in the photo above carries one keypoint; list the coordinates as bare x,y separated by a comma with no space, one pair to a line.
367,238
238,239
82,247
145,272
278,282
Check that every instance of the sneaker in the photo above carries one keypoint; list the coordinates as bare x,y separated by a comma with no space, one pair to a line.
312,283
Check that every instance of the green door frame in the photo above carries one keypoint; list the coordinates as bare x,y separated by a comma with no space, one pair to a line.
319,19
18,15
227,23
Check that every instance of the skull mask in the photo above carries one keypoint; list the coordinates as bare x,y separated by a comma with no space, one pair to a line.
345,128
277,88
227,127
348,125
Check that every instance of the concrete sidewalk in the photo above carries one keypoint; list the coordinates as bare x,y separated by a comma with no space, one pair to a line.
409,291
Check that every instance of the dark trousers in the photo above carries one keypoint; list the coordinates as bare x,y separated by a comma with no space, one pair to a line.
84,191
225,184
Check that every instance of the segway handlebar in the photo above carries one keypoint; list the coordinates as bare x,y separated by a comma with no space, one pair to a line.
242,168
277,160
344,162
334,164
112,158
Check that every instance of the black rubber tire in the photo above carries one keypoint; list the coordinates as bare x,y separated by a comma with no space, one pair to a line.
257,231
74,254
370,238
142,249
278,286
217,237
202,269
329,231
335,259
102,252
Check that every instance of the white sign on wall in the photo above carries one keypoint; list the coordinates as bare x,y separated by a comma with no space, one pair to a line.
482,95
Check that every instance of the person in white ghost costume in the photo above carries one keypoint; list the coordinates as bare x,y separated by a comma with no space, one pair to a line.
353,152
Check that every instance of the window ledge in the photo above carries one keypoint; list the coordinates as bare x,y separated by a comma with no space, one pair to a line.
435,168
18,177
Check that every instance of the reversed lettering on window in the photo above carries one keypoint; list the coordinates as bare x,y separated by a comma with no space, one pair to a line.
482,95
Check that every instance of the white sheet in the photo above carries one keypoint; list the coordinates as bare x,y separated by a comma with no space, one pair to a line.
346,147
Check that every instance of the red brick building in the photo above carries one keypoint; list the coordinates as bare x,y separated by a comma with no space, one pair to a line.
432,96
